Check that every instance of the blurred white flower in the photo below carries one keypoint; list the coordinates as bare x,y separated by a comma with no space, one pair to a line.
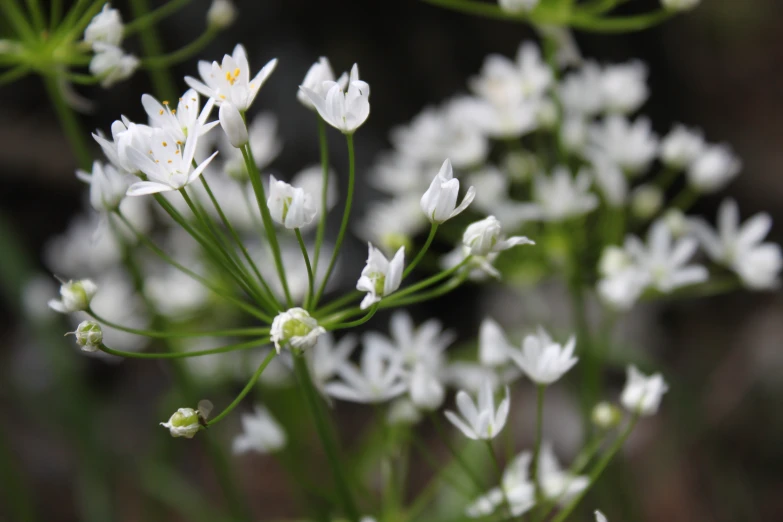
111,65
713,169
107,186
260,433
106,27
680,5
326,357
642,394
378,379
561,196
230,80
624,87
646,201
493,345
318,73
221,14
681,147
631,146
581,91
740,247
556,483
517,6
439,202
380,277
599,517
345,110
515,486
233,125
480,420
543,360
609,178
425,389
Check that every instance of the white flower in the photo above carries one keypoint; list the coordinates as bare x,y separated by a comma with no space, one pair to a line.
379,379
573,133
391,223
326,357
713,169
632,146
621,290
480,420
311,179
561,196
680,5
380,277
493,344
75,296
515,487
260,433
508,120
233,125
624,87
111,65
439,202
556,483
740,247
183,423
124,134
642,394
422,345
543,360
88,335
492,197
107,186
425,390
646,201
290,206
165,161
485,237
344,110
318,73
403,411
221,14
105,27
534,73
517,6
296,330
179,121
230,80
664,261
681,147
609,178
264,144
581,91
600,517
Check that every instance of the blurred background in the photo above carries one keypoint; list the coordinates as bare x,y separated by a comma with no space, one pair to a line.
72,425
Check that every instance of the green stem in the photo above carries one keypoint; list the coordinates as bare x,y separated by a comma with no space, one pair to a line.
620,24
599,468
245,390
685,199
666,177
37,14
339,302
427,282
326,435
324,146
69,123
168,259
162,80
184,355
420,255
535,468
55,12
13,74
499,471
258,188
454,453
181,54
271,299
147,18
425,296
310,275
346,216
353,324
169,335
18,21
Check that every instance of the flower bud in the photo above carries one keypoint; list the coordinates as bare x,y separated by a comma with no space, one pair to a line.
296,330
605,416
680,5
233,125
393,241
646,201
88,335
485,236
105,27
75,296
676,222
221,14
184,423
613,261
290,206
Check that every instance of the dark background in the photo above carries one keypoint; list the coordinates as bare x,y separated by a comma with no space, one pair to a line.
719,68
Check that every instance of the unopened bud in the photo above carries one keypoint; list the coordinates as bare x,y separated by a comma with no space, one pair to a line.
221,14
606,416
233,125
184,423
88,335
646,201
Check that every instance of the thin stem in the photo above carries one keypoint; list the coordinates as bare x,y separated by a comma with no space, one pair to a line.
168,259
18,21
420,255
339,302
685,199
150,41
457,456
235,332
310,274
266,216
184,355
245,390
319,234
346,216
357,322
14,73
55,12
69,123
37,14
326,435
535,469
183,53
445,288
427,282
146,19
599,468
272,300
